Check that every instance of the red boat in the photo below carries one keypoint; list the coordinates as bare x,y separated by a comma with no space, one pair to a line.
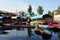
54,25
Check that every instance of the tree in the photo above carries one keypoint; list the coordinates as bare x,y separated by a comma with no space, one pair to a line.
40,10
32,14
49,12
30,9
58,10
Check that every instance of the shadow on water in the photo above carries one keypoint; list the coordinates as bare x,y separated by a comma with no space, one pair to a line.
4,33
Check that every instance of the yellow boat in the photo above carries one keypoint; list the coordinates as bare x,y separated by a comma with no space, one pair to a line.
36,22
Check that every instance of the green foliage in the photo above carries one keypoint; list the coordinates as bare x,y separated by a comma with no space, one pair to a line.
30,9
32,14
58,10
49,12
40,10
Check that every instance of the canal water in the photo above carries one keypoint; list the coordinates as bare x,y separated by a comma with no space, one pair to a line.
22,35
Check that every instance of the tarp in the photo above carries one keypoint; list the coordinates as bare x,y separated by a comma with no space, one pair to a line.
1,17
36,17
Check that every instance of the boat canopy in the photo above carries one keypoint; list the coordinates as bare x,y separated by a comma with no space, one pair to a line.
36,17
28,15
14,17
1,17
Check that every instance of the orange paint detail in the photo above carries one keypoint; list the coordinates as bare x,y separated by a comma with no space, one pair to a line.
41,31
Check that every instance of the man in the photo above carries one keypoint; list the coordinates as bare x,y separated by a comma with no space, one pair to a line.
29,29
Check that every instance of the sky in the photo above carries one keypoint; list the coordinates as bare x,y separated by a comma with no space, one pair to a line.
22,5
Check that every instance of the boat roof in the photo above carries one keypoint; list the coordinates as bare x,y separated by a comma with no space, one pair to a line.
36,17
